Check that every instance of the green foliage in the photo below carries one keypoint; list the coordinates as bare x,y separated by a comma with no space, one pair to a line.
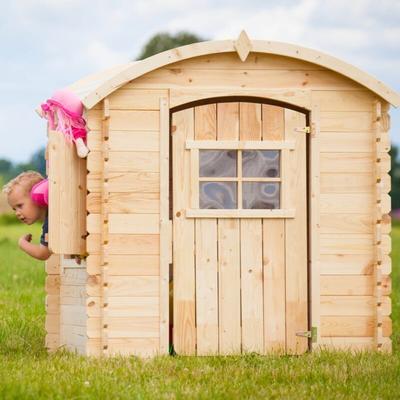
8,219
28,372
164,41
9,170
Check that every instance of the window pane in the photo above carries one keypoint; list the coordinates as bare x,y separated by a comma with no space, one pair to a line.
218,163
261,163
261,195
218,195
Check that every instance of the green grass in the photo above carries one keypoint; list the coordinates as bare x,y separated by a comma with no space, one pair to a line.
28,372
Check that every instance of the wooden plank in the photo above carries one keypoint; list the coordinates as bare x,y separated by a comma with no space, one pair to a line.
133,244
73,315
243,145
164,226
52,265
134,223
140,347
242,78
73,276
346,203
134,140
52,284
67,196
346,244
52,323
218,213
273,122
129,120
206,287
205,122
296,238
315,207
251,239
346,162
349,326
133,327
138,182
348,121
341,142
274,286
126,203
353,305
124,161
229,250
349,285
355,344
52,341
180,96
205,118
131,99
229,286
273,128
138,306
254,61
351,264
347,183
133,285
127,264
52,304
346,223
344,100
184,337
251,242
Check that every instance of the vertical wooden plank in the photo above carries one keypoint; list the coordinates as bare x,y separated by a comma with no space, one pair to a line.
206,251
206,287
274,286
251,250
183,237
296,237
229,250
67,197
315,200
105,125
164,226
229,286
274,251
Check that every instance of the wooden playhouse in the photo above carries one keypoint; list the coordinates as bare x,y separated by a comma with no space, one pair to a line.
257,172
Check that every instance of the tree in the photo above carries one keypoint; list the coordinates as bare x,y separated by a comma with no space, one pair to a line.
164,41
395,175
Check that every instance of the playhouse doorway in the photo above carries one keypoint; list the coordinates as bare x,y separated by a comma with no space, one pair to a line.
239,214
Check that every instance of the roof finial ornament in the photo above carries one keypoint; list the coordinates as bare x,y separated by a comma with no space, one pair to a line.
243,45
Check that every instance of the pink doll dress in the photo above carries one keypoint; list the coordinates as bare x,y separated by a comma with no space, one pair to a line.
64,112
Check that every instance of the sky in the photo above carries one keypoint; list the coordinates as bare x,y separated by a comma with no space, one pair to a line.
49,44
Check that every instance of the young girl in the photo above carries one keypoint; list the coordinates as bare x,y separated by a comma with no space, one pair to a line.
29,210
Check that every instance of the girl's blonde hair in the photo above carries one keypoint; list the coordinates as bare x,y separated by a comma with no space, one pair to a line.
26,179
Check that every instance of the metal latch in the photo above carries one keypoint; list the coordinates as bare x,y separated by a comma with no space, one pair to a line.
306,129
309,334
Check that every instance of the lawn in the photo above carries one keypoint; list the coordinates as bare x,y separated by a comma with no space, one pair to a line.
28,372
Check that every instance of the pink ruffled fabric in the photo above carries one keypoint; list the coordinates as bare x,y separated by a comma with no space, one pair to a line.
71,124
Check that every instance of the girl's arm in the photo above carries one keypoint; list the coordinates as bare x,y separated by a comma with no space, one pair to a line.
37,251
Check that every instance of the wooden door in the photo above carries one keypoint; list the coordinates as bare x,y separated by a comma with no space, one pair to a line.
239,229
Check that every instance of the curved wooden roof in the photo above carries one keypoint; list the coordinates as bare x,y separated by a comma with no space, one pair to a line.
94,88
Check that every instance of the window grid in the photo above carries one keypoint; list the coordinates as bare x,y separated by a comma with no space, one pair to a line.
239,179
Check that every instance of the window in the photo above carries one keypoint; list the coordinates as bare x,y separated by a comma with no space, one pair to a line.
239,179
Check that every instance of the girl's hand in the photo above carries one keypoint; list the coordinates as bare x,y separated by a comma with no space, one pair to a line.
24,238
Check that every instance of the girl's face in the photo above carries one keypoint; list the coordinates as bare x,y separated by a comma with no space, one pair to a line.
26,210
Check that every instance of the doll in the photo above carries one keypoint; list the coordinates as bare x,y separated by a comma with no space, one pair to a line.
64,112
